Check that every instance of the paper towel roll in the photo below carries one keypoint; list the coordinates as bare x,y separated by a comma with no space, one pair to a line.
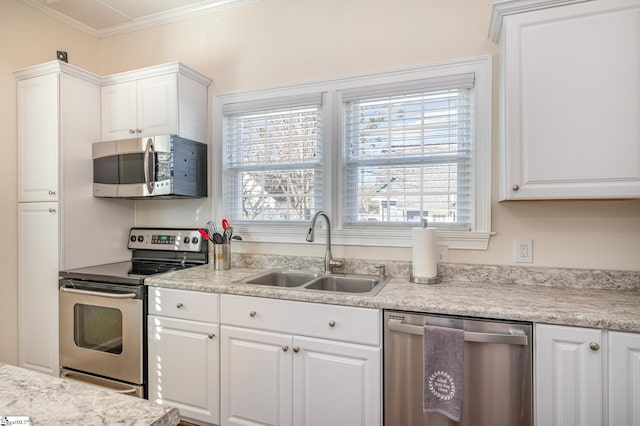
424,252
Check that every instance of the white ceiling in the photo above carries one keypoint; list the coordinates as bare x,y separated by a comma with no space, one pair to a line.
104,18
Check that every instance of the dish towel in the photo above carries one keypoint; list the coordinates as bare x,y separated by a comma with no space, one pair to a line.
443,358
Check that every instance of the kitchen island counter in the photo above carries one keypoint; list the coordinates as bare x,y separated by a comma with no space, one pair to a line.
573,306
48,400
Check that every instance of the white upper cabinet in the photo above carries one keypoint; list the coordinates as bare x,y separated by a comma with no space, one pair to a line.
570,98
38,137
167,99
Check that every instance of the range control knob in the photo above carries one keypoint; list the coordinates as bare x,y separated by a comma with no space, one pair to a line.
194,240
140,238
132,238
186,240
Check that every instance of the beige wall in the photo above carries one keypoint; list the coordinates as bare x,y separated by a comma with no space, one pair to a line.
27,37
284,41
274,42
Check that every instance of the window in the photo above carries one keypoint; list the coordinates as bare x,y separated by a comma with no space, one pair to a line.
408,154
378,153
273,161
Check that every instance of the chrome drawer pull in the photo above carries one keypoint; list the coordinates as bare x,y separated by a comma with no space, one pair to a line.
252,314
469,336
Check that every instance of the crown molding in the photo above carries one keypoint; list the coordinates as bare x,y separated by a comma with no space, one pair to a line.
139,23
500,9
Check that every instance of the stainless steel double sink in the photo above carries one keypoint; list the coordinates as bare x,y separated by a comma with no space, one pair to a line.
366,285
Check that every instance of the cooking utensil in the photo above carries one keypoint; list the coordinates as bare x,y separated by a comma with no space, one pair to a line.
225,224
217,238
204,234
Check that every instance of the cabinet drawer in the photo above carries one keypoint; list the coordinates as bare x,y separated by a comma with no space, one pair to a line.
183,304
345,323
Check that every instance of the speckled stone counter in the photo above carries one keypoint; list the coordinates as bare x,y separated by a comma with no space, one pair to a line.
564,305
48,400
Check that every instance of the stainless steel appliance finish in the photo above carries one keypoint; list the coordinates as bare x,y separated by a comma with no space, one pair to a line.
497,387
103,308
166,166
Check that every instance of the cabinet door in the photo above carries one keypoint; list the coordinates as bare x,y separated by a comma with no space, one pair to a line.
38,138
119,115
256,377
572,111
336,383
184,366
158,105
568,376
624,379
38,286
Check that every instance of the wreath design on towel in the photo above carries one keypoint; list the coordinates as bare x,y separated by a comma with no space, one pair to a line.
441,385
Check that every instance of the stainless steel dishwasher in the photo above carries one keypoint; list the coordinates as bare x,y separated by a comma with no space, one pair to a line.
497,388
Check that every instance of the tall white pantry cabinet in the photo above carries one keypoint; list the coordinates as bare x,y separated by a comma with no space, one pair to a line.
60,224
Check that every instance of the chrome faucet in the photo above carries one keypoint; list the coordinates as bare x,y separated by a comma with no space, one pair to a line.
330,264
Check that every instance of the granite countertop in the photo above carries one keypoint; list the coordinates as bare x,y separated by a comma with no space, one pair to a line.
48,400
574,306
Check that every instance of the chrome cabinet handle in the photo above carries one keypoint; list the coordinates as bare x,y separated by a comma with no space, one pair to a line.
131,131
594,346
332,323
515,187
285,348
52,210
179,305
296,349
52,192
252,314
211,335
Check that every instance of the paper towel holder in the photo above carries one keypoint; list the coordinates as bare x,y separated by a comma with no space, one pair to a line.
424,280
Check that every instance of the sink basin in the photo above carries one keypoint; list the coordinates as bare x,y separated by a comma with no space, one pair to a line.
347,284
366,285
282,278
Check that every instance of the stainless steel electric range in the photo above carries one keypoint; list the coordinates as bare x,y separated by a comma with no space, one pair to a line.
103,309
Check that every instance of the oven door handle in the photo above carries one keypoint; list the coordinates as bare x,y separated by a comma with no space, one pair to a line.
99,293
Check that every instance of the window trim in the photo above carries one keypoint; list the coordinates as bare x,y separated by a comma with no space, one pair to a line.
388,236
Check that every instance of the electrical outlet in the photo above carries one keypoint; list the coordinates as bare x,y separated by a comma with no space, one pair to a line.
524,251
442,254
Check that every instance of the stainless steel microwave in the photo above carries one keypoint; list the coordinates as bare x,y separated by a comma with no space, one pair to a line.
165,166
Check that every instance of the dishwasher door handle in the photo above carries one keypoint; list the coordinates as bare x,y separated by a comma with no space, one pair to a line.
517,337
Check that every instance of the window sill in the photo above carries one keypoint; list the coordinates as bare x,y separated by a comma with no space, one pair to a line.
383,237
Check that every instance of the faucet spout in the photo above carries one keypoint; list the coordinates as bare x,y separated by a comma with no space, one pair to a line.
330,264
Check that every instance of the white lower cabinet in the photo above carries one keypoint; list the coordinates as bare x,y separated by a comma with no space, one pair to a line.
183,356
586,377
279,368
624,379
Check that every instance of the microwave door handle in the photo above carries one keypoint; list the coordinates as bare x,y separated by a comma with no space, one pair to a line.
148,179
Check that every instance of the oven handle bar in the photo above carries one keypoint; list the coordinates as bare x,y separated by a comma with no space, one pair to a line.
126,391
517,337
99,293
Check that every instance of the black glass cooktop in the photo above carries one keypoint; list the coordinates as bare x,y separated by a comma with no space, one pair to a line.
131,272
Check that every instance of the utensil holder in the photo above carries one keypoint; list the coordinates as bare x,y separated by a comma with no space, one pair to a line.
222,256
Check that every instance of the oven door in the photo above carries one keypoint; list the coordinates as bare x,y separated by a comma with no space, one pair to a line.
101,330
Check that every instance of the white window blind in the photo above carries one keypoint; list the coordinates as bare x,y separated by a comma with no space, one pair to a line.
272,159
408,153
